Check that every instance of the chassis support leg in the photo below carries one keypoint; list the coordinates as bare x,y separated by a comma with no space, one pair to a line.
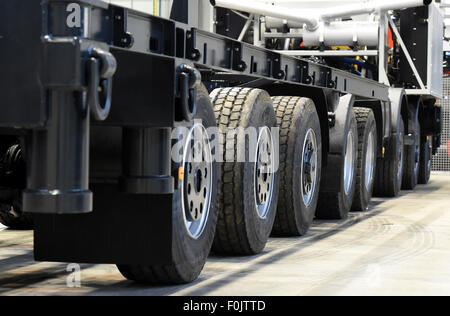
58,161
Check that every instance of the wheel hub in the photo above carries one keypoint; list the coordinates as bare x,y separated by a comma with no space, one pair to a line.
197,180
349,167
264,172
400,157
309,167
370,160
417,153
430,148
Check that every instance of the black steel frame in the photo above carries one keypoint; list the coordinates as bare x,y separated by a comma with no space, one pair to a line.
47,105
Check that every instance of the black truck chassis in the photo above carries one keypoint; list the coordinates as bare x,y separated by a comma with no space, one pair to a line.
87,100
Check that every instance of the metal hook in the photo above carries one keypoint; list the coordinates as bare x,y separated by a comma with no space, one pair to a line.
102,66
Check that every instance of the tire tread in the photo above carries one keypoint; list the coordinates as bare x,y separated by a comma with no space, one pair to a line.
362,117
230,237
23,222
285,221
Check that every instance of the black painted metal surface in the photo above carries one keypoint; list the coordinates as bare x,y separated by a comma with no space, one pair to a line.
47,100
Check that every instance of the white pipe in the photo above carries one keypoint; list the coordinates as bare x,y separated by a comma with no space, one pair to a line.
246,26
312,17
343,34
370,7
275,23
307,17
330,53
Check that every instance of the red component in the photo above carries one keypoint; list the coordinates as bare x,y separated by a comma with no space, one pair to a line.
391,39
448,148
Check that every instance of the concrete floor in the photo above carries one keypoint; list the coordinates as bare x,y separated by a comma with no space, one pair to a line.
399,247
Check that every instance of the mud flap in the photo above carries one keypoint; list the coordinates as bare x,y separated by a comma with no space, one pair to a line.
123,229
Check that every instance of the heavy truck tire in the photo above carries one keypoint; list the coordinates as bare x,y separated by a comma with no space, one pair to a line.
389,175
248,190
195,207
425,159
300,165
337,205
13,218
367,158
412,161
13,165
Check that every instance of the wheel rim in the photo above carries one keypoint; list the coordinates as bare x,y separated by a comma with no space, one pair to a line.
309,167
417,152
264,172
400,158
370,161
197,181
349,168
430,156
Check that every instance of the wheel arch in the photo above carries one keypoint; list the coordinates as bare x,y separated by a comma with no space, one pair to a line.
399,108
343,111
414,104
427,116
383,128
